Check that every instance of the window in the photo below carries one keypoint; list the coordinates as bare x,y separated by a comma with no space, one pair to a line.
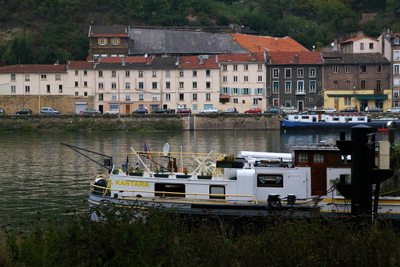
76,72
113,85
300,87
245,78
167,73
101,97
396,82
259,91
208,85
127,97
100,73
43,76
140,73
113,73
141,85
318,158
76,94
181,73
313,72
48,88
312,86
235,79
395,93
235,67
12,88
246,91
76,84
396,55
275,73
154,97
167,85
102,41
288,103
259,79
396,68
194,84
275,87
85,83
245,67
181,85
224,67
302,158
396,40
347,101
181,97
363,68
378,86
127,85
259,66
154,85
288,73
60,89
288,87
194,96
361,46
235,101
216,191
269,180
85,94
235,91
224,79
168,97
379,68
255,101
225,90
335,84
127,73
58,77
347,84
141,97
85,72
115,41
154,72
208,97
371,45
208,73
27,77
195,73
347,68
101,86
335,69
362,85
300,73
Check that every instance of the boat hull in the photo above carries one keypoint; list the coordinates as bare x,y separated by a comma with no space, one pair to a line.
286,124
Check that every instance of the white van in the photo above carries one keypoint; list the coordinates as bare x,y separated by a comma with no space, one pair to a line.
47,110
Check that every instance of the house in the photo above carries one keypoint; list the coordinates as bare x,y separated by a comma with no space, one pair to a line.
362,44
108,41
294,79
356,79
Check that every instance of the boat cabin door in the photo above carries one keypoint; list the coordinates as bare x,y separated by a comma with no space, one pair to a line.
318,173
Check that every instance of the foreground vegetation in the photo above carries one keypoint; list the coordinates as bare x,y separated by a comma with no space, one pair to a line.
159,238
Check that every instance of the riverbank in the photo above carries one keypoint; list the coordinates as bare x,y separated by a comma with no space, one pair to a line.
165,122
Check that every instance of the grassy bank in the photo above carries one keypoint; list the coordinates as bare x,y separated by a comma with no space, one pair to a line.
163,239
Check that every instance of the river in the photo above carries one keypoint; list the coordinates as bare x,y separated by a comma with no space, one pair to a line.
38,174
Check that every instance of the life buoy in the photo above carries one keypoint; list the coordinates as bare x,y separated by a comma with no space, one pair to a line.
102,176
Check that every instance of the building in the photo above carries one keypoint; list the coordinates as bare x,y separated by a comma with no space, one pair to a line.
357,79
108,41
294,79
362,44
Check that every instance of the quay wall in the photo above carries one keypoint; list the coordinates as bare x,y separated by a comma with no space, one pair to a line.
26,123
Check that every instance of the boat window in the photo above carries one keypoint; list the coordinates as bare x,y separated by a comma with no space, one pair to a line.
269,180
305,117
302,158
348,119
335,119
361,119
168,190
217,189
296,117
319,158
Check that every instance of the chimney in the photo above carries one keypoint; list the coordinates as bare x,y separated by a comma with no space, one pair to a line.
201,60
123,62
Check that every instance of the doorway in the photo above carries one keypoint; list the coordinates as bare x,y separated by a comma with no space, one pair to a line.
128,109
318,173
300,105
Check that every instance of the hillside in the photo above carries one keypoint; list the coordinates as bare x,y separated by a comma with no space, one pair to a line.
47,31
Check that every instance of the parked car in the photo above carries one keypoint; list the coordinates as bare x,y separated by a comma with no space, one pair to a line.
184,111
161,111
91,111
231,110
272,110
2,111
330,110
288,110
350,109
47,110
112,111
24,111
140,111
394,110
253,110
209,110
375,109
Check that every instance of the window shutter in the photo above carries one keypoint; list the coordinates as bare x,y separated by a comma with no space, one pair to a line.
105,40
98,41
229,90
255,91
263,91
119,41
222,91
241,91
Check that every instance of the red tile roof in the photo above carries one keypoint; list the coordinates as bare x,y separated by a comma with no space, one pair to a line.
255,43
303,58
33,68
193,62
128,59
358,38
80,65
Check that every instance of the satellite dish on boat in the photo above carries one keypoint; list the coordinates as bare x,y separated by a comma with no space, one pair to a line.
166,149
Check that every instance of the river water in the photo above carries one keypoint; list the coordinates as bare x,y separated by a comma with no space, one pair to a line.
38,174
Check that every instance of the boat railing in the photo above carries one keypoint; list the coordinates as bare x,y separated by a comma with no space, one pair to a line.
166,196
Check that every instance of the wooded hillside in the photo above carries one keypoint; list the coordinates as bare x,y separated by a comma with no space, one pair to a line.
45,31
